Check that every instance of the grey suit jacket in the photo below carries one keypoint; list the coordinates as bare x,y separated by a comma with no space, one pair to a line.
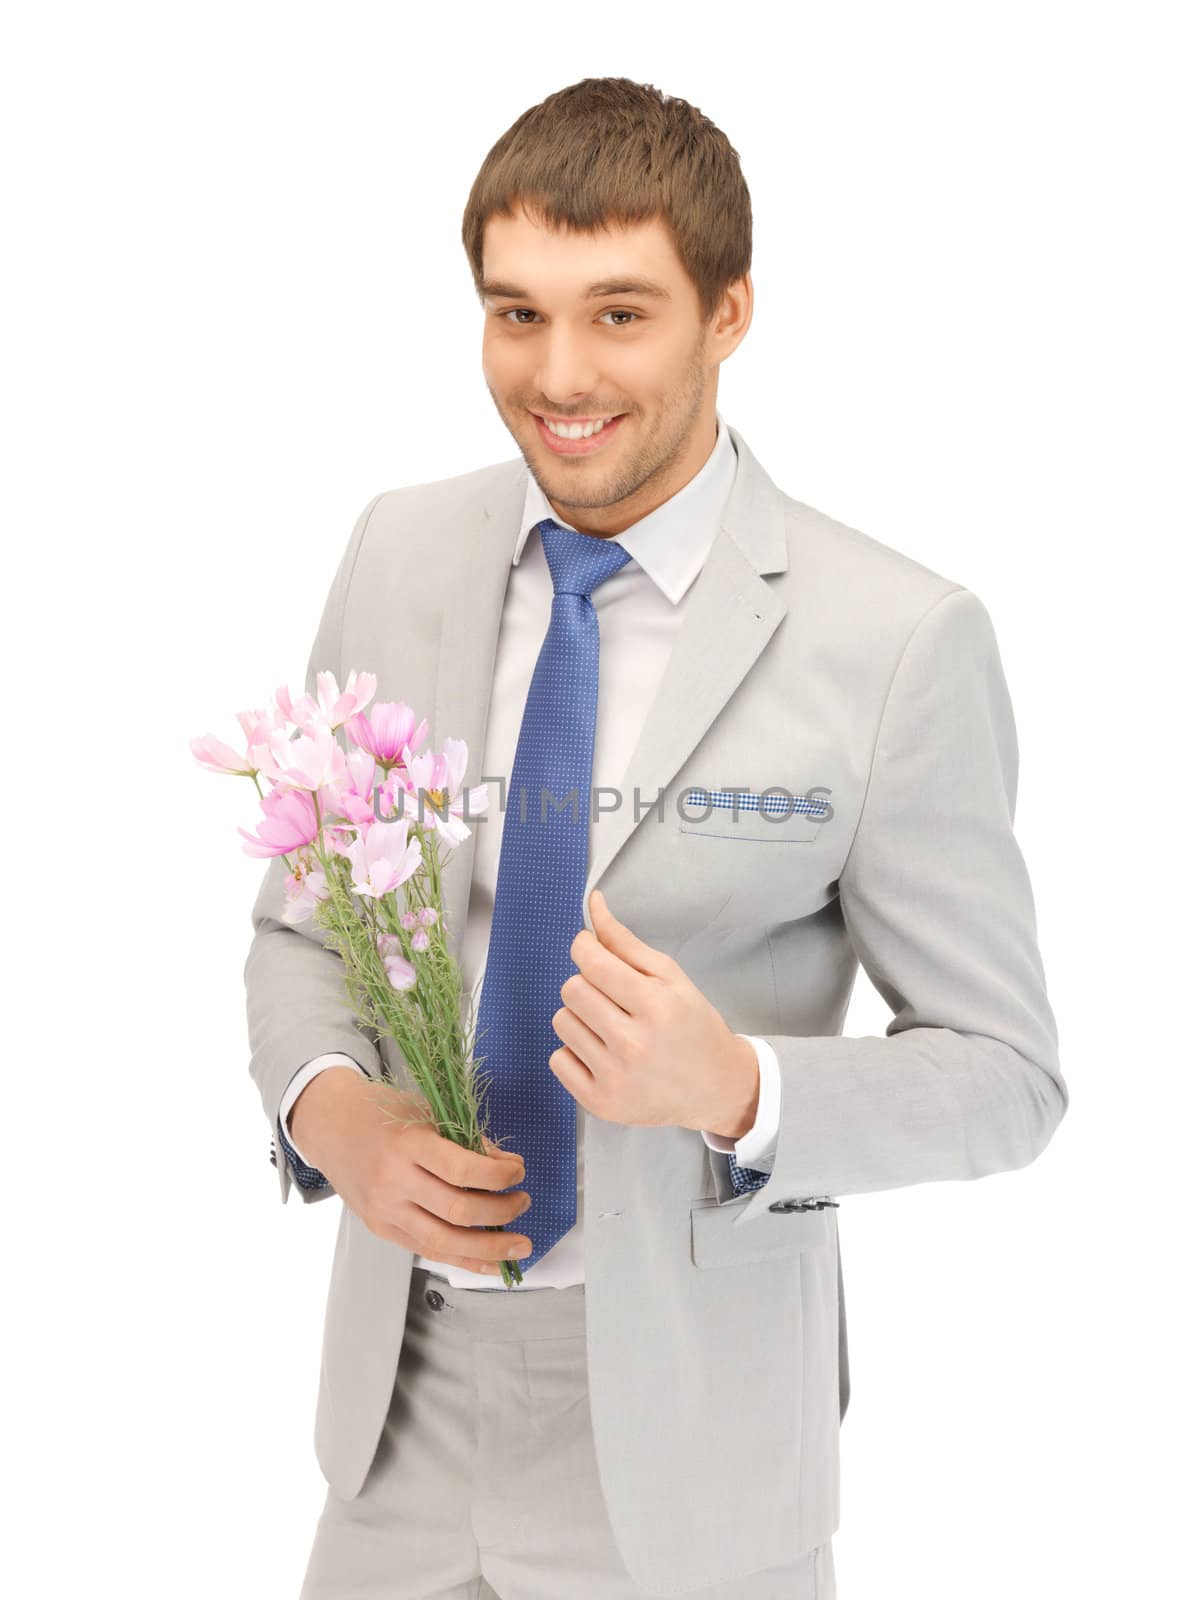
814,660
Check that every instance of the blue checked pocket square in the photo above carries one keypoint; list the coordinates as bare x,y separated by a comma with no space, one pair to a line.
773,815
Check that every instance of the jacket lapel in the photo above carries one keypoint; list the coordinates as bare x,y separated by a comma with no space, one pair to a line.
730,613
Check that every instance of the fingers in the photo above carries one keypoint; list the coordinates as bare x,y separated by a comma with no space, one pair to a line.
463,1168
463,1208
482,1242
424,1234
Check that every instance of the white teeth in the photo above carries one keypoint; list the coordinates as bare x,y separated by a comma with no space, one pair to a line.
576,430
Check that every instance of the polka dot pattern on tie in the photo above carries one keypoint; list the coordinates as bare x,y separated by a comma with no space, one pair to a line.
539,890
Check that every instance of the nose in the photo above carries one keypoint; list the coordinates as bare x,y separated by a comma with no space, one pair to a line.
567,374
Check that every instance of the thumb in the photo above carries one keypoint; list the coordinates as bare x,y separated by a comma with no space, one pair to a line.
621,940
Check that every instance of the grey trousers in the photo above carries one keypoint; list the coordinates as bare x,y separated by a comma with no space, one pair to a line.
484,1485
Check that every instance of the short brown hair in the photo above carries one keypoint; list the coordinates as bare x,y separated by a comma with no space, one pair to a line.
610,150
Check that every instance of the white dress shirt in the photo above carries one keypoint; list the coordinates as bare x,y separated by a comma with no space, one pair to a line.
638,609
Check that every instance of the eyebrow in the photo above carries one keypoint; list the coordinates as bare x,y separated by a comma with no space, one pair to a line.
492,289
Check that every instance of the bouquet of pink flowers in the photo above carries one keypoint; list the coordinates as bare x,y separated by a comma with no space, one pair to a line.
361,831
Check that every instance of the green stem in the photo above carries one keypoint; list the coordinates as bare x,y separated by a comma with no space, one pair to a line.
425,1021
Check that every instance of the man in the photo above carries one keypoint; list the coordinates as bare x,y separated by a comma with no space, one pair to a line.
797,754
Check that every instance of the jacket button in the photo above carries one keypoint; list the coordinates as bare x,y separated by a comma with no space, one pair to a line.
434,1299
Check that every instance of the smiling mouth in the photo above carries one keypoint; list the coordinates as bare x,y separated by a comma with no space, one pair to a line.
581,444
582,422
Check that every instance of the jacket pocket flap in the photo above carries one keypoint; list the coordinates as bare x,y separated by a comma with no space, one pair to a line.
717,1243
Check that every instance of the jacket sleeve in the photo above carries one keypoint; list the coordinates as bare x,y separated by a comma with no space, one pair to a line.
938,906
296,1001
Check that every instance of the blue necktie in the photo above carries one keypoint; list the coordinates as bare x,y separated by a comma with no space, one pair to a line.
539,890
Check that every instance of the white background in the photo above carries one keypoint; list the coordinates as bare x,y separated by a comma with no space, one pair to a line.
237,307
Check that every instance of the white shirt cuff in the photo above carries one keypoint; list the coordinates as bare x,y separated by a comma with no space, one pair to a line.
756,1147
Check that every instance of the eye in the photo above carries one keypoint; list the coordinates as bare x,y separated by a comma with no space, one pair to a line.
523,311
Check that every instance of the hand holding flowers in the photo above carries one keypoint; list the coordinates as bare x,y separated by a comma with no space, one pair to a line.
365,835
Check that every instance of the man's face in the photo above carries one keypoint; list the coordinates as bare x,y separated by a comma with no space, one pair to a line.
569,335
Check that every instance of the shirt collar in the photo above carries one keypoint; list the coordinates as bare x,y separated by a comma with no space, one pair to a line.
671,542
